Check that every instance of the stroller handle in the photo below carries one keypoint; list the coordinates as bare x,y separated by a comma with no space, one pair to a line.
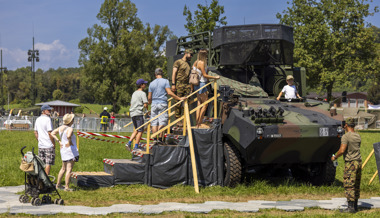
22,150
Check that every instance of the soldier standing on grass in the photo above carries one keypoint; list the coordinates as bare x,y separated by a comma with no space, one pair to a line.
350,149
180,79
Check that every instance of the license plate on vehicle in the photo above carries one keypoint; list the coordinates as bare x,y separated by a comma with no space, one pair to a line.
324,131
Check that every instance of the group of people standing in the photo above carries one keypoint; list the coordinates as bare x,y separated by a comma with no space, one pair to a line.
160,88
46,137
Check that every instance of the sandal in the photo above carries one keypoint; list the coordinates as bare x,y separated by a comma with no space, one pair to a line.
68,190
60,187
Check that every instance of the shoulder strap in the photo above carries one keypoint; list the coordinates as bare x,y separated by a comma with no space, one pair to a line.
60,134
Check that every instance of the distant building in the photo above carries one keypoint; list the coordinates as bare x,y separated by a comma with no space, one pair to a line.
351,100
61,107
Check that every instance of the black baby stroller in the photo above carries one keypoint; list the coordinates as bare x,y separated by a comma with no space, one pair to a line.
36,181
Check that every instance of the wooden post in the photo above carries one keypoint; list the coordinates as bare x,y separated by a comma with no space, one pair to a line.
134,139
169,105
77,140
215,99
184,126
148,139
191,145
369,156
373,177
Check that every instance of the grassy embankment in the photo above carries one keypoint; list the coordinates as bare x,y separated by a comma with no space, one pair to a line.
93,152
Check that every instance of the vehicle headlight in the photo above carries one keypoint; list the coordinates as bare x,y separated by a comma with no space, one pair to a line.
339,130
259,131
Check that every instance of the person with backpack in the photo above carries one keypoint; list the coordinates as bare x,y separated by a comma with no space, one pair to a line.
200,67
104,118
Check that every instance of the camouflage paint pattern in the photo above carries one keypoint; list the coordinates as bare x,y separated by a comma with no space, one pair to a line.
183,89
351,179
306,135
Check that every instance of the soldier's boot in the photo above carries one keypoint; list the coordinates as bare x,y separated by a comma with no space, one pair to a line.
356,205
350,208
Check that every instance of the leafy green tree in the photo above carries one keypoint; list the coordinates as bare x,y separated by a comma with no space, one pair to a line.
332,41
206,17
57,94
374,94
119,51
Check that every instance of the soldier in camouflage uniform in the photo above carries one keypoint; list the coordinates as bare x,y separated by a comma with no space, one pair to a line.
180,78
350,149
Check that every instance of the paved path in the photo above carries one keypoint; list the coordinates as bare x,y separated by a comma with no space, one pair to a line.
9,203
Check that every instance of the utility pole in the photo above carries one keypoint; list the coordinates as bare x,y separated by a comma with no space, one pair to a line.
33,57
2,71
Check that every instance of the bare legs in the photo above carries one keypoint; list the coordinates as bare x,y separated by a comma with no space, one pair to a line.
66,167
201,111
47,169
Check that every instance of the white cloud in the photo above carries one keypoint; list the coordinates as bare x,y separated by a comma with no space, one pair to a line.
52,55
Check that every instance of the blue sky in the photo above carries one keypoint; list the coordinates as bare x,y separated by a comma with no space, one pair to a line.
59,25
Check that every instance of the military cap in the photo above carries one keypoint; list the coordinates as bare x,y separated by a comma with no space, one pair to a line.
189,51
350,121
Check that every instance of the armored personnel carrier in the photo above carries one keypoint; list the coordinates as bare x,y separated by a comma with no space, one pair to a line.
259,132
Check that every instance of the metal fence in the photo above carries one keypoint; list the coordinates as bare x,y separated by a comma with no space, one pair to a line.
90,124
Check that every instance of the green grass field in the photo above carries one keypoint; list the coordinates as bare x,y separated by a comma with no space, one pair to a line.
93,152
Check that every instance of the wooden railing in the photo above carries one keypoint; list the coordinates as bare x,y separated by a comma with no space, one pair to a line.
186,123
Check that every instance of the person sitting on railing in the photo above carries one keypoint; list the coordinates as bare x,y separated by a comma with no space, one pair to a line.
138,103
200,66
157,97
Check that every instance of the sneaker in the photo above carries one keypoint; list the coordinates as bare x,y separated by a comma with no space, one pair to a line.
136,147
128,147
61,187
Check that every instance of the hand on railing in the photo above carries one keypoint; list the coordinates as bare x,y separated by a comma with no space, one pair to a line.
182,98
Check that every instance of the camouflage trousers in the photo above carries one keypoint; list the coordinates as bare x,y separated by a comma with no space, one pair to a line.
351,179
183,89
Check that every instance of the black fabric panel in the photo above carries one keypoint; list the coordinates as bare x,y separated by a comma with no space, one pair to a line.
131,173
93,181
208,149
169,166
376,147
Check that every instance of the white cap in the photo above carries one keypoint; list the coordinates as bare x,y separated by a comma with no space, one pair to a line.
105,108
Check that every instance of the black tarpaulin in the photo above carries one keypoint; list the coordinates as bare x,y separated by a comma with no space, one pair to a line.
169,166
376,147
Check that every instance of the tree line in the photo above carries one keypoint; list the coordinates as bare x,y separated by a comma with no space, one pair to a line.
332,41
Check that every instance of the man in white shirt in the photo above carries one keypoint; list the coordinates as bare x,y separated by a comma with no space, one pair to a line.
290,90
46,145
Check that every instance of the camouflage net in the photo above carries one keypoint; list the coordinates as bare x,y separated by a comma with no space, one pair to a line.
248,90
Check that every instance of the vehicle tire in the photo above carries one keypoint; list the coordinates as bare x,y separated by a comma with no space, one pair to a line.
37,202
232,165
326,175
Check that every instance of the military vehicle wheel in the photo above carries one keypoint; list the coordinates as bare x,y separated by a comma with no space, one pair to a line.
232,165
326,174
317,173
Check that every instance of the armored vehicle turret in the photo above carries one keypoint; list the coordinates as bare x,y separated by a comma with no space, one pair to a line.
260,132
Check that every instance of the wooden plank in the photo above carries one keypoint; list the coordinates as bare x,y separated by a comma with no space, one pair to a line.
191,143
215,99
369,156
373,177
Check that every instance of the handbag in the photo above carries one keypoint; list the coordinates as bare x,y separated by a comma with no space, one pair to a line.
194,77
27,167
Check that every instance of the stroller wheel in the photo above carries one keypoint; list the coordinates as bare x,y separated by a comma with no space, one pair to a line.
21,198
48,199
37,202
25,199
44,199
32,200
56,201
61,202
